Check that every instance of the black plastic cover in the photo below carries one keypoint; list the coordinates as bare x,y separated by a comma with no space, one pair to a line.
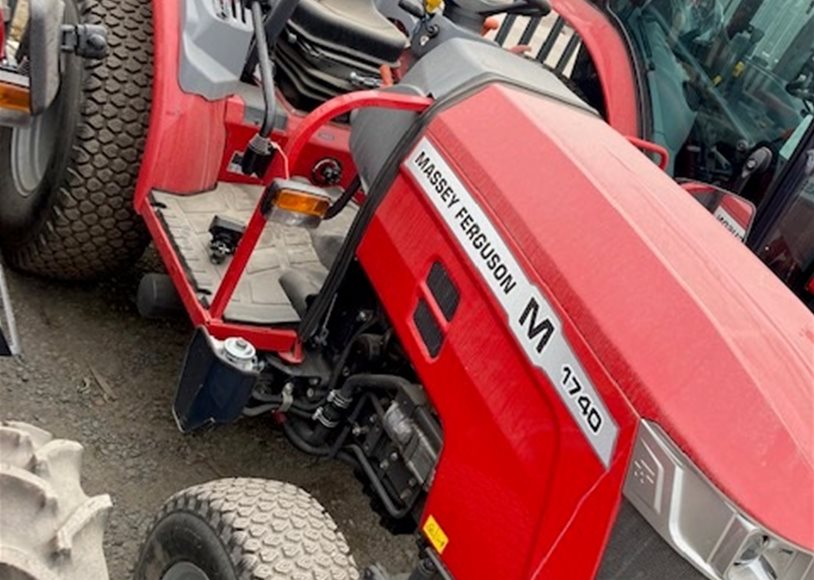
453,66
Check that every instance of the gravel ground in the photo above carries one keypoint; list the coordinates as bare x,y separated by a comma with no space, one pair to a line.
132,448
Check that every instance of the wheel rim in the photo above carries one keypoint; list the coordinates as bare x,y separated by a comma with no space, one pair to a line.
185,571
32,149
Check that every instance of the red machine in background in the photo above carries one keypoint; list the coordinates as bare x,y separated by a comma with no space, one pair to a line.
537,350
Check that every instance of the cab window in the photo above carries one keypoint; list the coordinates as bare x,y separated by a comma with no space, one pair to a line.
723,78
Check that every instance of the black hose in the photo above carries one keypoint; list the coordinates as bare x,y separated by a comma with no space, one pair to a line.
333,414
259,409
362,461
301,444
343,200
266,72
340,363
354,416
372,381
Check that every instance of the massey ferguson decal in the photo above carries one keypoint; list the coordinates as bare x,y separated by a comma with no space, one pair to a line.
532,319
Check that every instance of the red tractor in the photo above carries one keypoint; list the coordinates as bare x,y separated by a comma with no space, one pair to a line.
453,267
726,86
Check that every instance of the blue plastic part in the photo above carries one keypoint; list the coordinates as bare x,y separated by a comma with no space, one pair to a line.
211,390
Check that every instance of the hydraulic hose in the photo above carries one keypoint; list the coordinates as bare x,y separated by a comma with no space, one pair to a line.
332,413
357,457
300,443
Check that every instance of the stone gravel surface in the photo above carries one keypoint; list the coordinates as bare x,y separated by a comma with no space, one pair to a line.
76,336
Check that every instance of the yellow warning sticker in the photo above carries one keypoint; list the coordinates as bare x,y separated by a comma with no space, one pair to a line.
435,535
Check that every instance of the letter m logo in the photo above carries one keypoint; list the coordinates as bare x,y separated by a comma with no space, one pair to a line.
544,329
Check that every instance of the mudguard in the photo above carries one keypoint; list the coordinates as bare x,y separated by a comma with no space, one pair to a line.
213,387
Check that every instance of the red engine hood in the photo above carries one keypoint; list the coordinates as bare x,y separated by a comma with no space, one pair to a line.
699,336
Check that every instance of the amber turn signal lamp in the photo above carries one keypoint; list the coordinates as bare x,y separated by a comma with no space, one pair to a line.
14,97
295,203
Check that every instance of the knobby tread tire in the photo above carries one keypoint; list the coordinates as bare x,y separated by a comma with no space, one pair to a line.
49,528
270,530
91,229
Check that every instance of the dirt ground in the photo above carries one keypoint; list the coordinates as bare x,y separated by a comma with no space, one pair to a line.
132,448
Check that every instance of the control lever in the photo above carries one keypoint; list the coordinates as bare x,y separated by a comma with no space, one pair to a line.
538,8
260,152
412,8
758,163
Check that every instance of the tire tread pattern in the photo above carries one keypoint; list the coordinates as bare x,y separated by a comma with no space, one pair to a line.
270,529
92,229
49,528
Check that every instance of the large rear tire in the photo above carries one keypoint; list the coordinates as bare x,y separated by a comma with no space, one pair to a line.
49,528
244,529
67,181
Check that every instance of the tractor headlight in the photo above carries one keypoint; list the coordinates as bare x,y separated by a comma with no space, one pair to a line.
763,557
699,522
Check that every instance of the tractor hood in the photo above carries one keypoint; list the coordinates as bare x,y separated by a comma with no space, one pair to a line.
699,337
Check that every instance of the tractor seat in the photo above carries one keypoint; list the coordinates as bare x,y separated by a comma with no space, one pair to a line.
354,26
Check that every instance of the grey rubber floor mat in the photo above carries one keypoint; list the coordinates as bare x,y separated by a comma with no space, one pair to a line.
259,298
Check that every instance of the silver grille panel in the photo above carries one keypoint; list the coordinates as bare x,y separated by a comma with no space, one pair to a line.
636,552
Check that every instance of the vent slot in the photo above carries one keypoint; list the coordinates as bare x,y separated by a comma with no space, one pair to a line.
428,328
234,11
443,290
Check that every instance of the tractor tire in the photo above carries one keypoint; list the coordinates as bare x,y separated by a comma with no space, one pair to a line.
67,180
49,528
244,529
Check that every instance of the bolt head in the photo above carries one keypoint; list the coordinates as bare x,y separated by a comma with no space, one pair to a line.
239,349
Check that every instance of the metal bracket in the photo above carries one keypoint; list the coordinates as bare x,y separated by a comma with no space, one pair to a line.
84,40
9,346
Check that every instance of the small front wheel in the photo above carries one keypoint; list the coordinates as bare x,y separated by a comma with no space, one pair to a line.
244,529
